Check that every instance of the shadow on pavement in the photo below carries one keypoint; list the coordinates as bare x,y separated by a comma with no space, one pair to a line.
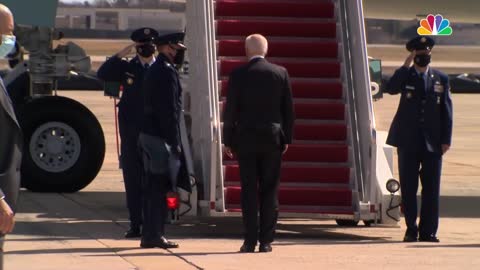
447,246
102,215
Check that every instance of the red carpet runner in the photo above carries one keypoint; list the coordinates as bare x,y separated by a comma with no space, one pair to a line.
303,38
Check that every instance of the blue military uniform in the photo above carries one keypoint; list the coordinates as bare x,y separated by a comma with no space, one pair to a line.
422,124
130,115
162,112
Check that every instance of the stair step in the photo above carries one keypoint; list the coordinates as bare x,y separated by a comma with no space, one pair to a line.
297,49
324,29
308,164
327,175
305,196
319,132
274,8
332,132
302,69
318,89
313,153
305,209
316,111
282,39
330,111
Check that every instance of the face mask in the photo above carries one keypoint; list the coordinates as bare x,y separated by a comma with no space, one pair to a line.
8,43
145,50
422,59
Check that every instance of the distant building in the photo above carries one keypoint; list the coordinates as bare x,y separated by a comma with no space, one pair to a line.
120,19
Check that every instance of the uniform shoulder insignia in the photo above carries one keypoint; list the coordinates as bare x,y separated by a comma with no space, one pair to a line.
170,66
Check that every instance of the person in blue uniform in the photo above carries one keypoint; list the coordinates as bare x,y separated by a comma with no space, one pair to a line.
422,132
162,112
130,114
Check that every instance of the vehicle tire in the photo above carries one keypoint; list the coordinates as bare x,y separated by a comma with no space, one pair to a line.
346,222
64,146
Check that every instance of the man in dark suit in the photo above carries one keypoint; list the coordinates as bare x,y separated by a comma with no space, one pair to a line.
130,115
10,139
422,133
162,112
258,122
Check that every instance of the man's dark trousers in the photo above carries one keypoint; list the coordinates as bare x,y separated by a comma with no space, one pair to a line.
260,166
413,163
155,187
131,168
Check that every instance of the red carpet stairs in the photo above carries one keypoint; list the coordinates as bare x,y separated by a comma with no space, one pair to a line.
316,173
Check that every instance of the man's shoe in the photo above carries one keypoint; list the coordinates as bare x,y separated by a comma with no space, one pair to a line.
133,232
247,248
410,237
429,238
265,248
162,243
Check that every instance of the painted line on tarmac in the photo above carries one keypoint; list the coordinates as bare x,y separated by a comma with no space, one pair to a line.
185,260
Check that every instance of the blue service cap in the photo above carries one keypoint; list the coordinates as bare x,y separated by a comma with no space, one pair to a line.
171,38
144,34
420,43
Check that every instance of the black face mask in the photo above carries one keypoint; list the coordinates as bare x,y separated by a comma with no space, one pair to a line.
145,50
422,59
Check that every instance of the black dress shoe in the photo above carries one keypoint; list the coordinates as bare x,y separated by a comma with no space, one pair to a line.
161,243
265,248
410,237
428,238
247,248
133,232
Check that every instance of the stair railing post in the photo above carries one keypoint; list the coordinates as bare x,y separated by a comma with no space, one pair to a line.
203,88
359,95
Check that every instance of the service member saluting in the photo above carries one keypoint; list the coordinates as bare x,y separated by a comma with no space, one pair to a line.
130,114
422,132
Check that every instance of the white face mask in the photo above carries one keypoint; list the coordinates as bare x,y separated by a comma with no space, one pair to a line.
8,43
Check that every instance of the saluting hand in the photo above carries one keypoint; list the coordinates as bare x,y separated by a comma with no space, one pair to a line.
126,51
409,60
7,220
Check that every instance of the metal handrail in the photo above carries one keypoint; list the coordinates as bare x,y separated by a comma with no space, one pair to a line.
216,165
358,94
203,87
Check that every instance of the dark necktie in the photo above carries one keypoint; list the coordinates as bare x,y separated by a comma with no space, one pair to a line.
146,66
422,76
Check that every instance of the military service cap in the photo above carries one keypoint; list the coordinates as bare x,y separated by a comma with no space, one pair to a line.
171,38
420,43
144,34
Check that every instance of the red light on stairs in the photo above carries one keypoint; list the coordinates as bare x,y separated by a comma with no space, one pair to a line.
172,200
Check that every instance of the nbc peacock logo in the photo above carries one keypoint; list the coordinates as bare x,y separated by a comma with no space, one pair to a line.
434,26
